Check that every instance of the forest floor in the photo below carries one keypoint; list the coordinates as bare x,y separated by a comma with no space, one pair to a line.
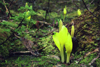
87,32
86,50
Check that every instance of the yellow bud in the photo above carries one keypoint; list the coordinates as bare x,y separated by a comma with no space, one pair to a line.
79,12
60,24
28,18
64,11
72,29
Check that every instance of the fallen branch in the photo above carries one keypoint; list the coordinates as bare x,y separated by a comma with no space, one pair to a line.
96,50
5,7
89,10
28,44
87,54
94,60
21,53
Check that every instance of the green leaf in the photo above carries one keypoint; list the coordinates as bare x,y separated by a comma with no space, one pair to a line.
33,21
30,7
12,43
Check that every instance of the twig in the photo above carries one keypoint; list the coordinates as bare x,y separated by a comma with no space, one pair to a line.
94,60
17,36
21,52
89,10
75,4
47,9
5,7
96,50
87,54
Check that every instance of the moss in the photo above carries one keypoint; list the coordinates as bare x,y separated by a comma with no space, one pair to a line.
28,61
48,45
97,62
89,58
74,65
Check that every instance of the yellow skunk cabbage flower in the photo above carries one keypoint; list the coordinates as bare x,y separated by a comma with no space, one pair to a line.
72,29
64,11
62,39
28,18
68,46
60,25
63,35
79,12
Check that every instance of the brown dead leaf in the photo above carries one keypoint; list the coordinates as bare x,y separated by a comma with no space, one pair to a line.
28,44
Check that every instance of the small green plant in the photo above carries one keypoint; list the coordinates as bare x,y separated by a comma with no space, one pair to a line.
61,39
21,23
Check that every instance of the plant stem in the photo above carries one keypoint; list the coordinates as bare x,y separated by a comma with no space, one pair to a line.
68,58
62,54
64,18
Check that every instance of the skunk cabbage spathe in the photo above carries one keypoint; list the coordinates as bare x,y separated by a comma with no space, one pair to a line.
68,46
79,12
72,29
62,39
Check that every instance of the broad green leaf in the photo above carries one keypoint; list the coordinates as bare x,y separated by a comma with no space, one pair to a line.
30,7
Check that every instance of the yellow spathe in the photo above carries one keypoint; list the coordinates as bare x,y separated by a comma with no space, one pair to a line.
79,12
29,18
61,39
68,46
63,35
64,11
72,31
60,25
